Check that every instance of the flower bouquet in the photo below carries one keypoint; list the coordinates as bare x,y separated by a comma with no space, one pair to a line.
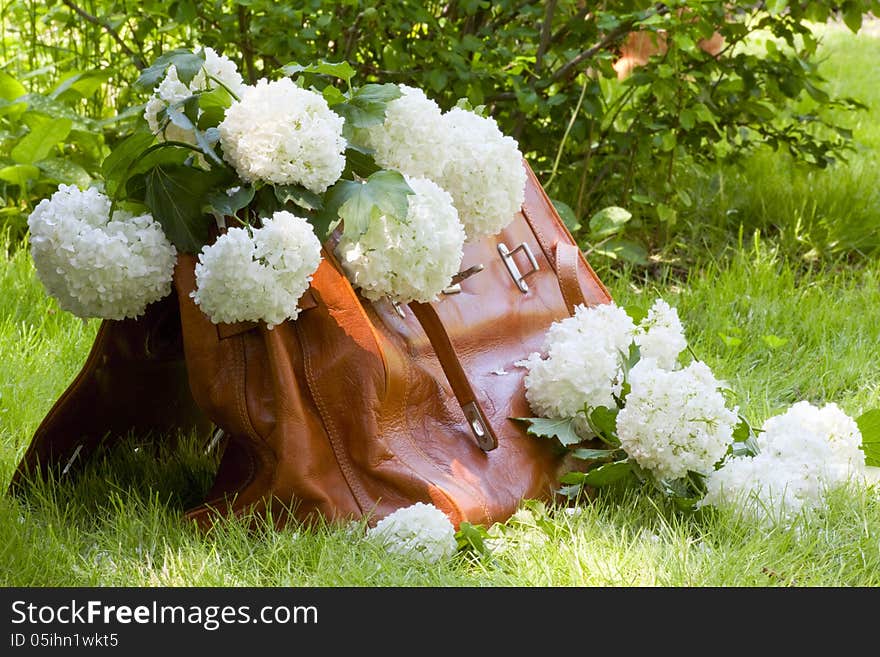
254,179
665,422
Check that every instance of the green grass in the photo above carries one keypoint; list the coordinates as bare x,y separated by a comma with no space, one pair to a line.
781,298
119,522
811,213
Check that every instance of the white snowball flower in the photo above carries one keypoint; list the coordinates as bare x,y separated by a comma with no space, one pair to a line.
661,335
281,133
583,363
95,265
258,274
803,453
171,90
483,170
410,140
675,421
421,530
410,260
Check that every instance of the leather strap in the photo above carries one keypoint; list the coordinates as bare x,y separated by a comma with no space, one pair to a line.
458,379
567,272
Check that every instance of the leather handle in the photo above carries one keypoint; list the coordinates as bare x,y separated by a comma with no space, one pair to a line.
567,273
458,379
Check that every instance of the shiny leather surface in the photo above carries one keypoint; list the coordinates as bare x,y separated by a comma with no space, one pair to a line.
133,381
351,410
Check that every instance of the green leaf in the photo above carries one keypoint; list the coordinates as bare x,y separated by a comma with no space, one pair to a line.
185,61
560,428
744,439
19,174
473,538
45,133
593,454
298,195
574,477
852,15
603,422
359,161
636,312
332,95
567,215
221,202
176,196
773,341
342,70
869,426
608,474
39,104
730,340
116,164
608,221
776,6
84,84
213,104
620,249
205,139
666,214
63,170
10,88
366,107
358,203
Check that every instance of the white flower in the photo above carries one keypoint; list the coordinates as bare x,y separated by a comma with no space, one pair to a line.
421,530
675,421
281,133
411,260
171,90
803,453
258,274
661,335
96,266
483,170
410,140
583,363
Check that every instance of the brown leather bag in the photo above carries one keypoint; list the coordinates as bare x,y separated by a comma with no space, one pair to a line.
356,408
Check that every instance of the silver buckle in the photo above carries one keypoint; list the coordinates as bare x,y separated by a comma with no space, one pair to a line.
513,270
72,458
478,427
215,439
455,281
398,308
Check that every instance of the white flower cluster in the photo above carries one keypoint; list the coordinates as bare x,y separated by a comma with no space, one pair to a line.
95,265
410,139
661,335
483,171
583,363
803,453
675,421
463,152
410,260
171,90
422,531
257,274
283,134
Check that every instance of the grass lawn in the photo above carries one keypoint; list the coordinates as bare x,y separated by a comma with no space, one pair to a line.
789,313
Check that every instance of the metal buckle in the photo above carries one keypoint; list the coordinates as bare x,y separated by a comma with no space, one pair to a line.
214,440
478,427
512,269
397,307
72,458
455,281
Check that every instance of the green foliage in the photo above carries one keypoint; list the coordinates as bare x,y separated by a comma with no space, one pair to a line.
544,70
